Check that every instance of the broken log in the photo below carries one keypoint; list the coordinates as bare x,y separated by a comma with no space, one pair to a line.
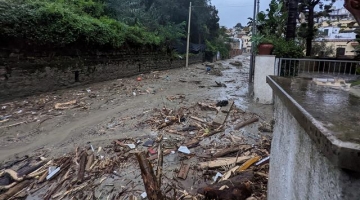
212,133
62,106
192,143
198,119
236,192
160,165
184,170
82,166
205,106
223,161
245,123
152,188
229,150
17,188
89,162
227,189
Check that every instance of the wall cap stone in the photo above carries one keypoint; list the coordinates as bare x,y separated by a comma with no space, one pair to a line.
342,153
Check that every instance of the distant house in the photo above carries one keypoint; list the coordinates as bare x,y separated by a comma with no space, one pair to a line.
340,36
338,31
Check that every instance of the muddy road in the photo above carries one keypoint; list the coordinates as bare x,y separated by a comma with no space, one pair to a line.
101,112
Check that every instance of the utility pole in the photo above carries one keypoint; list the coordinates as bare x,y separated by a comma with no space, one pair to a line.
252,60
188,38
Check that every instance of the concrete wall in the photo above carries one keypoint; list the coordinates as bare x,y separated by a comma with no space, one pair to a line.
264,66
298,170
24,77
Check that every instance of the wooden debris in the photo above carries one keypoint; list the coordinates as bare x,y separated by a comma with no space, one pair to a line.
198,119
192,143
66,105
160,165
229,150
234,192
245,123
248,163
166,152
212,133
14,190
12,125
223,161
151,186
219,84
82,166
222,116
205,106
184,170
89,162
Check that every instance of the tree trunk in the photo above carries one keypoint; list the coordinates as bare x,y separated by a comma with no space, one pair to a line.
310,30
291,22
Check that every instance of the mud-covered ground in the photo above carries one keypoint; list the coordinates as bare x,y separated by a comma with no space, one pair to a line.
100,113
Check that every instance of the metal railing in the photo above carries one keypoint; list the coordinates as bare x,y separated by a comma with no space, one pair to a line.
314,67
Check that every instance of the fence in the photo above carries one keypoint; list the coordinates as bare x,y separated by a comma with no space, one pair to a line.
314,67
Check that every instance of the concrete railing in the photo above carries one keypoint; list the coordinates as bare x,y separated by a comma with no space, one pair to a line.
315,149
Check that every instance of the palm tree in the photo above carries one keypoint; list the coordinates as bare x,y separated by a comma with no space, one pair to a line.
291,22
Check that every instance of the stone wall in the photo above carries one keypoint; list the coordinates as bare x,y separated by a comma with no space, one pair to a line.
298,170
21,77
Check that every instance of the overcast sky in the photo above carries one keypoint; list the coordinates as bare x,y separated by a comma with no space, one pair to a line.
233,11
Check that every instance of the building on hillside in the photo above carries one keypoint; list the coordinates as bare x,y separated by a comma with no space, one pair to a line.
338,32
236,46
337,15
246,43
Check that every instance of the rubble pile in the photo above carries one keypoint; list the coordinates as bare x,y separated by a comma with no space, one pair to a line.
197,152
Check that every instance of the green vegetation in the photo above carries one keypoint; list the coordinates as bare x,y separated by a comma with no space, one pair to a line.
271,26
103,24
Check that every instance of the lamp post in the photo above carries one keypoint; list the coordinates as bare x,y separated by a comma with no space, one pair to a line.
188,38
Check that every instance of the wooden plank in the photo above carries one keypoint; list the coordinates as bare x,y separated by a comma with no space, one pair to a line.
184,170
245,123
82,166
222,116
229,150
223,161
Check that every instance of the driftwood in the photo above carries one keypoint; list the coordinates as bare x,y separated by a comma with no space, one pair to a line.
198,119
66,105
152,188
229,150
212,133
237,188
192,143
184,170
245,123
160,165
205,106
223,115
82,166
17,188
89,162
223,161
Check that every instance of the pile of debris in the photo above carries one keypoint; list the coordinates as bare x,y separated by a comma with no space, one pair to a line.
194,157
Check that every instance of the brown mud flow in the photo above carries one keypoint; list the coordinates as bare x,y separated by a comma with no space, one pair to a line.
196,133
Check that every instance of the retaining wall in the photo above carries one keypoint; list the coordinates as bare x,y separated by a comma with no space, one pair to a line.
26,76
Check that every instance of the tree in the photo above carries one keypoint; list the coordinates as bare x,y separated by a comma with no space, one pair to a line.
308,7
238,25
291,22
